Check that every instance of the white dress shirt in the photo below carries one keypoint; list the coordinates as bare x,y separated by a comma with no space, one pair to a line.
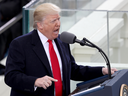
45,44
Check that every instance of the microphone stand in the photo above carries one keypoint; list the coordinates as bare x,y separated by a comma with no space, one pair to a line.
90,44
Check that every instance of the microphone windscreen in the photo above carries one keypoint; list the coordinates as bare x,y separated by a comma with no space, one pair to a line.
67,37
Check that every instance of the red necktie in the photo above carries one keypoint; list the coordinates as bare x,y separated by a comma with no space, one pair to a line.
55,70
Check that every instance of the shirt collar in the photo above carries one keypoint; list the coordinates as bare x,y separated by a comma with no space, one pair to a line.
43,38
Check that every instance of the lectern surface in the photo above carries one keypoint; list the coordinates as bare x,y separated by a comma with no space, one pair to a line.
109,87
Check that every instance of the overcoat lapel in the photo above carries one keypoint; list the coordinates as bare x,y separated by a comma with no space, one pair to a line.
40,52
63,59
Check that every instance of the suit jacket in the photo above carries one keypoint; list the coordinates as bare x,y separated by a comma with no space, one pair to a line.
28,61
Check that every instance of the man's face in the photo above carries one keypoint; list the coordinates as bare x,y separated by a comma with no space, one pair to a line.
51,26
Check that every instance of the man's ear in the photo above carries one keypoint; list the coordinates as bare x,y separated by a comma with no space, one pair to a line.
39,25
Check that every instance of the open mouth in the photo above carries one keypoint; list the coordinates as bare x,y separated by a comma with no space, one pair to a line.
56,30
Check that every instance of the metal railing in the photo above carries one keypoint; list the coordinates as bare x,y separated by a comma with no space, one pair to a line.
10,23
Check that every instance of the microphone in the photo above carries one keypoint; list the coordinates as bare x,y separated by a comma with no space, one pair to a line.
71,38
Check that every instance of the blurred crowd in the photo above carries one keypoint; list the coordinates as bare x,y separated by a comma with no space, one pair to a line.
8,10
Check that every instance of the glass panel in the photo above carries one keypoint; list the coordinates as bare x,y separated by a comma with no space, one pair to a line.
78,18
76,4
63,4
118,34
83,24
26,15
93,27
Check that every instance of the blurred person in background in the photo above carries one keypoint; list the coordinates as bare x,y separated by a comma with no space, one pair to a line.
8,10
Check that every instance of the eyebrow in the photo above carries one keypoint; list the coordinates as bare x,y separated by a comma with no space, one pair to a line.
54,19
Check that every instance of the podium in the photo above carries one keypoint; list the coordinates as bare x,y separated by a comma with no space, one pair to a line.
103,86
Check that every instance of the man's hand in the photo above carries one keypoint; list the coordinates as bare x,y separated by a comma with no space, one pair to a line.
105,70
44,82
